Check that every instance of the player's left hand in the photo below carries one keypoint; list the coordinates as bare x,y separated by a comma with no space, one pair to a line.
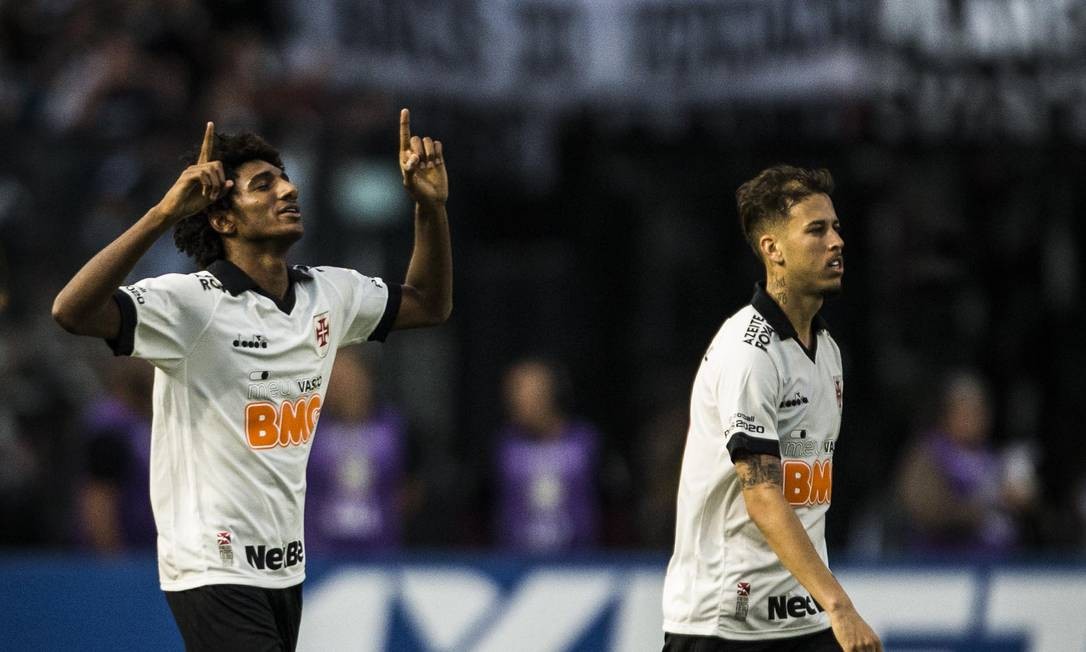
422,165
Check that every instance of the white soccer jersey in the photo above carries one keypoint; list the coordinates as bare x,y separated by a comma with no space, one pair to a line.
239,383
757,390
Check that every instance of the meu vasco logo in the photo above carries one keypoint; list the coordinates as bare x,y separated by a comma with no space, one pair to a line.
807,483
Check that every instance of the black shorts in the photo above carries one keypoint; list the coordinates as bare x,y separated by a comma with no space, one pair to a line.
823,641
235,617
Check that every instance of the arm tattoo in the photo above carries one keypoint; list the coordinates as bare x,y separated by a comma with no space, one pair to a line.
754,469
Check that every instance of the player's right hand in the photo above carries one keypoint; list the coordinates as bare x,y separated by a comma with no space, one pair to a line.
853,633
199,186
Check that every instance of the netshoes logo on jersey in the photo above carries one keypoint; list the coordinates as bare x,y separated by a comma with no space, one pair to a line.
264,558
782,607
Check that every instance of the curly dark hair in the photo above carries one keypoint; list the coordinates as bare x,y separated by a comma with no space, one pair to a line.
193,235
767,198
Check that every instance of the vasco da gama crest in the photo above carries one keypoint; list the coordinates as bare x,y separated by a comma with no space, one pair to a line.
322,333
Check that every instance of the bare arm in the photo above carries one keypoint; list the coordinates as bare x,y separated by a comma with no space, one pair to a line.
84,306
427,290
762,487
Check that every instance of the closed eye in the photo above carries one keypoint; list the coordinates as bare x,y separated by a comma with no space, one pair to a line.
261,181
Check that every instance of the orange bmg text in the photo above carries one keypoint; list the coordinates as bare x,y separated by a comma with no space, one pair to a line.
290,423
808,483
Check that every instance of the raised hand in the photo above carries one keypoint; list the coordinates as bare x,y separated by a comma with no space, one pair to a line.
422,164
199,186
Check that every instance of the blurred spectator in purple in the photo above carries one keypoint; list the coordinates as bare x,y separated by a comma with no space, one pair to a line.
114,505
547,465
961,494
361,488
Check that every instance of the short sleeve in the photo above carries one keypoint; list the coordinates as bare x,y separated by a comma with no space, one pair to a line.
374,305
747,392
163,317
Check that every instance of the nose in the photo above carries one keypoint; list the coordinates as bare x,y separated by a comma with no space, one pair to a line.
287,190
836,241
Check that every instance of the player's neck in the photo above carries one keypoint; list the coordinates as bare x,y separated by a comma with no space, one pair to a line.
799,307
268,270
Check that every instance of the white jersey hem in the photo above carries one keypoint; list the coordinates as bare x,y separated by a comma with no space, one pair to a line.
689,629
207,579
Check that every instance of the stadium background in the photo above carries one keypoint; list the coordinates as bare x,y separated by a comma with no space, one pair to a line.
594,147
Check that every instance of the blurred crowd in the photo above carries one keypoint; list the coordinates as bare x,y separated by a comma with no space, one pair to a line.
550,414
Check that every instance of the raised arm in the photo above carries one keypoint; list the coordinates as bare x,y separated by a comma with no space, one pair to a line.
427,290
762,487
85,306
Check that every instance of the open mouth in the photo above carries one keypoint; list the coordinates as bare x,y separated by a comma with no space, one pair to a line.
292,209
837,263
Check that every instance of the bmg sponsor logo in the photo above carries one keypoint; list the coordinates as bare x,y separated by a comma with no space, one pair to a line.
264,558
289,423
808,483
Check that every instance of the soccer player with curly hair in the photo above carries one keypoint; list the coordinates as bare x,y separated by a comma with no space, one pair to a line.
242,351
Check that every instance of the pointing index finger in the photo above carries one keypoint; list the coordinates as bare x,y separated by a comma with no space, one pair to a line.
207,149
405,130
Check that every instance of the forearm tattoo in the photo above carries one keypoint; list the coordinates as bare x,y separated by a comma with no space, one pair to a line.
754,469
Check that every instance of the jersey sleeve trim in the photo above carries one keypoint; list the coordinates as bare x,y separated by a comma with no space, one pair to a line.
741,441
392,308
125,341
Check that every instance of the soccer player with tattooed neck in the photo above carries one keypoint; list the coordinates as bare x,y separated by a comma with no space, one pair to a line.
749,570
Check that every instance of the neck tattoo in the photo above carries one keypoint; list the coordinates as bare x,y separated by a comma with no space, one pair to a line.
779,291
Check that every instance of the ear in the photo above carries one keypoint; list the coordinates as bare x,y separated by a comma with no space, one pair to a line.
770,247
223,222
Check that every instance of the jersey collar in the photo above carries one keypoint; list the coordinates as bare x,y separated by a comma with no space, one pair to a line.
768,308
235,281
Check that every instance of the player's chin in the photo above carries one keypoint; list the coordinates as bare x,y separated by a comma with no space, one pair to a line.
833,287
289,235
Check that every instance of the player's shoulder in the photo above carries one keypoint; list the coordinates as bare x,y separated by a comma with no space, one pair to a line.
327,272
196,283
747,333
342,277
744,341
825,338
342,280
